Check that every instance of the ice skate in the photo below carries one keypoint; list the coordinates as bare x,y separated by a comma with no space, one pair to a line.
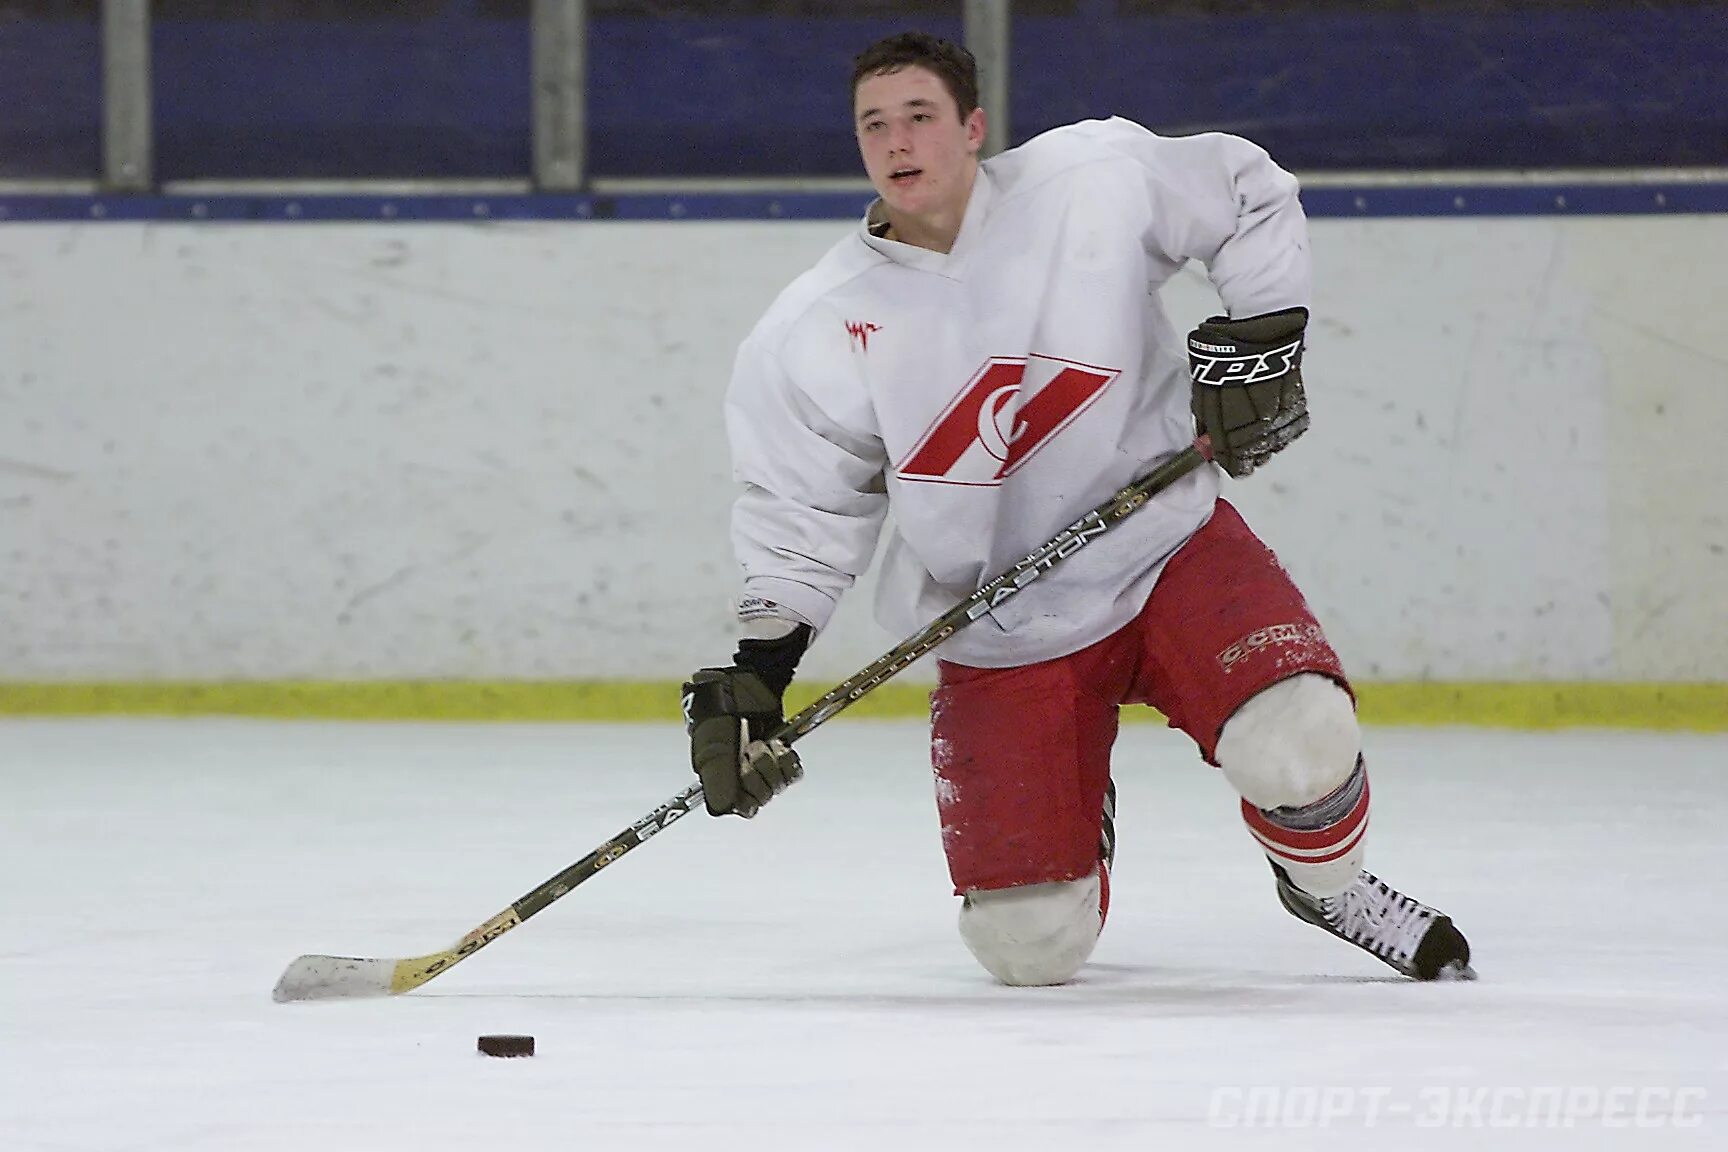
1106,851
1107,841
1416,940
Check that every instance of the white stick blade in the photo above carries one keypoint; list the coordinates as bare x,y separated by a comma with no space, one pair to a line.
333,978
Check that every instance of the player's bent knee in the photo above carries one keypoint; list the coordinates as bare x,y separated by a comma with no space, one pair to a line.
1035,934
1292,743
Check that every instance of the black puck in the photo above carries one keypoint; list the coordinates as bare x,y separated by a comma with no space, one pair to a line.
507,1045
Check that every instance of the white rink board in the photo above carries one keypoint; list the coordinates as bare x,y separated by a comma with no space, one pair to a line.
494,451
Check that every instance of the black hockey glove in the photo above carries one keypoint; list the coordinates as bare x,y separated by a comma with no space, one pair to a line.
729,714
1248,394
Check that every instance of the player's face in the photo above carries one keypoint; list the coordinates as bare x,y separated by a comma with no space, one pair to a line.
917,150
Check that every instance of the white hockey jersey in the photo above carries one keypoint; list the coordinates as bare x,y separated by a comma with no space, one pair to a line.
994,393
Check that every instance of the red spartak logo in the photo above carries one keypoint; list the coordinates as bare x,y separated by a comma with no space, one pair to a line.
989,429
860,331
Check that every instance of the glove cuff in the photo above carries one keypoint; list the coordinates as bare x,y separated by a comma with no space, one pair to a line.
1266,328
774,661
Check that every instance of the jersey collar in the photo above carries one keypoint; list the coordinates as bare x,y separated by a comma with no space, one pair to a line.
912,256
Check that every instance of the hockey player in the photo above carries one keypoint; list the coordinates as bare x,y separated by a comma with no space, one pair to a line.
988,355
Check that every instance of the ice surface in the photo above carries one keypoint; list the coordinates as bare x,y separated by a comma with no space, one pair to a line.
796,982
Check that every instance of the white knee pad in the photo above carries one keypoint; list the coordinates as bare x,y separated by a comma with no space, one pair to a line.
1292,743
1035,934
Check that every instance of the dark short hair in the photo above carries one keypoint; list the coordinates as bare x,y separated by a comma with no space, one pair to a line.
949,61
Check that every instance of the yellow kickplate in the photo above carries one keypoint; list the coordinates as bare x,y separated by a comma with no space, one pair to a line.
1700,707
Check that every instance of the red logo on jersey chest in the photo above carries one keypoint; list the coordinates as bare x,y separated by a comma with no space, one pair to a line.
992,427
860,331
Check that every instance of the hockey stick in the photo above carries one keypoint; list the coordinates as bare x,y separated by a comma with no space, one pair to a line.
348,977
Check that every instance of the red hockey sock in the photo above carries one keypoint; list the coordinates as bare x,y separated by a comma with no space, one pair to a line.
1320,843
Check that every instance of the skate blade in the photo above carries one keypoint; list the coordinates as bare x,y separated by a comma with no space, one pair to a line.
1456,970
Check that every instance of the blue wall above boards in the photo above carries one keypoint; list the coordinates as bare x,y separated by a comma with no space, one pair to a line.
1330,201
289,89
